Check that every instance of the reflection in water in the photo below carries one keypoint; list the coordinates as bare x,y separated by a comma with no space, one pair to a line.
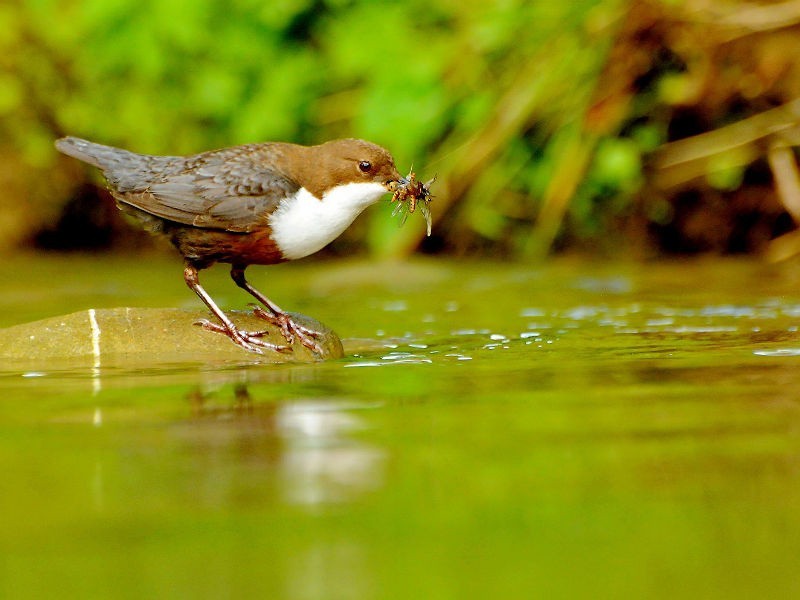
306,446
630,439
330,570
321,463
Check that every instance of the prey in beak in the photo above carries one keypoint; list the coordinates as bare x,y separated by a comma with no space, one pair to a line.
409,193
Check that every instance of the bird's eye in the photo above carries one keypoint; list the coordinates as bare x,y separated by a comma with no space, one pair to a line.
364,166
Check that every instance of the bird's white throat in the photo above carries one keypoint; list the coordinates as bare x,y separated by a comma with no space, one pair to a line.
303,224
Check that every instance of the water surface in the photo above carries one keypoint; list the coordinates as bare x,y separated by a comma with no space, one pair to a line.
503,431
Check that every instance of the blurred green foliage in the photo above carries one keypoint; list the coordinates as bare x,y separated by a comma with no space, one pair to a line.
538,117
425,79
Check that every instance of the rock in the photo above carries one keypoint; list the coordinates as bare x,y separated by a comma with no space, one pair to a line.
113,336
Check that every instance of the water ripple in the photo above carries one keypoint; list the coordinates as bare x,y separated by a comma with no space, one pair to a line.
778,352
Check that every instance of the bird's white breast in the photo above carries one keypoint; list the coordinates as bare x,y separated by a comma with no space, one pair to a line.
303,224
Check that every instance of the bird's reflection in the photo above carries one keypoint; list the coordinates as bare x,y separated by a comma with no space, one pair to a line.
322,463
301,452
202,408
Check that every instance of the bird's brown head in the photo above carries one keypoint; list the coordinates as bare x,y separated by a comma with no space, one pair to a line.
340,162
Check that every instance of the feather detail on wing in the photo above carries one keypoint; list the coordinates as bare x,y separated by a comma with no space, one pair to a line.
218,191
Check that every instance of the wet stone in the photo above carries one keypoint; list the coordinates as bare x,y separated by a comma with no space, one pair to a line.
151,335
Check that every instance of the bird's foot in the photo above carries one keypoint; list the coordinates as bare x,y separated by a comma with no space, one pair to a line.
252,341
290,329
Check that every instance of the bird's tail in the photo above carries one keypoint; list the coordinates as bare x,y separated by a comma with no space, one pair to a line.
98,155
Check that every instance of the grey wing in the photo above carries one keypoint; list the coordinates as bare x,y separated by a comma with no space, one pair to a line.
216,192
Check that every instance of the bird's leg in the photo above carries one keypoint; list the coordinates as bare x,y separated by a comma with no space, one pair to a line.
249,340
276,316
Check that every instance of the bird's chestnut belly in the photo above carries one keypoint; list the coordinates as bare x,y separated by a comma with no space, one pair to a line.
212,245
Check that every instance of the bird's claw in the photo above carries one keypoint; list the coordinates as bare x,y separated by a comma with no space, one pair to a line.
249,340
291,329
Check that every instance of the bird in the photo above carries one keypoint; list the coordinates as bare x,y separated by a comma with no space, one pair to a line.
253,204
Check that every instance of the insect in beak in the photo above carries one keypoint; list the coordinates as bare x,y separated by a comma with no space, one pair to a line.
409,193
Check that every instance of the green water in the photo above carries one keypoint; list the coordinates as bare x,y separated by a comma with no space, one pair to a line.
496,431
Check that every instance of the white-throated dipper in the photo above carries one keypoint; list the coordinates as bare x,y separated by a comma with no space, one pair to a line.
254,204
